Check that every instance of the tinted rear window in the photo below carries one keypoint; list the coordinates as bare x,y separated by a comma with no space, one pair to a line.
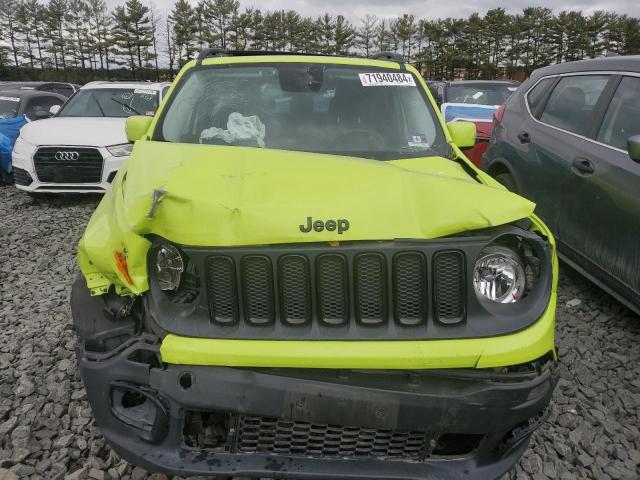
538,94
572,102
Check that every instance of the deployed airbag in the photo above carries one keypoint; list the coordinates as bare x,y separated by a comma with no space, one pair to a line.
240,130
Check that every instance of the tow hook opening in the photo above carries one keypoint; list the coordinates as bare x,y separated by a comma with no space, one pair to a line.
140,409
185,380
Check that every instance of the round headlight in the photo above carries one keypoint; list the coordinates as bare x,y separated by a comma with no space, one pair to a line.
499,276
169,265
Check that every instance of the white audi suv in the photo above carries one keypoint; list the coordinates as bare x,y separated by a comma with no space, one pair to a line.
82,146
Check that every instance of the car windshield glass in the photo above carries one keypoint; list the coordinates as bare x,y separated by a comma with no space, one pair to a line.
358,111
8,106
111,102
484,94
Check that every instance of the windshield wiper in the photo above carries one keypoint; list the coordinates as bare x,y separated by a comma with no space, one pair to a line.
99,106
125,105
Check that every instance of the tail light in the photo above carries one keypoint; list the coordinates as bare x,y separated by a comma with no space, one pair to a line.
498,114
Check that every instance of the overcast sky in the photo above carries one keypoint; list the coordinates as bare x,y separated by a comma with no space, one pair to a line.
354,9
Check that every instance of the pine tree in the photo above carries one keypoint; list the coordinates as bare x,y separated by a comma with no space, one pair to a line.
344,36
184,29
366,34
9,25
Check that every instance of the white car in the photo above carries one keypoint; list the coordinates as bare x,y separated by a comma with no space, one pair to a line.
82,147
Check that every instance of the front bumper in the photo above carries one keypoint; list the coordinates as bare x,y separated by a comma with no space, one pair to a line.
191,420
495,412
27,179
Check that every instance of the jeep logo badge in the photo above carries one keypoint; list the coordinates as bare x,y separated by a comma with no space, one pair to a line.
62,155
341,224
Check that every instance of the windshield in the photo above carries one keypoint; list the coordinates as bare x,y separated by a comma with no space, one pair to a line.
9,106
111,102
367,112
483,94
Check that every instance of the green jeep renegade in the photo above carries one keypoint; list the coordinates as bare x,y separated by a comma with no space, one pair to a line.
298,274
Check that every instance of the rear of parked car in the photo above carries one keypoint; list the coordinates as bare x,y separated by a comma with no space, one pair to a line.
474,101
568,140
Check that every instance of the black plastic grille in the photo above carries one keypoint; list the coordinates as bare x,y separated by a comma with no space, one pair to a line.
258,289
333,293
285,437
410,278
449,289
22,177
371,288
368,290
296,290
87,168
223,291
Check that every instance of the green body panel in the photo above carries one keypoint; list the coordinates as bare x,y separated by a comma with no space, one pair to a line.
206,195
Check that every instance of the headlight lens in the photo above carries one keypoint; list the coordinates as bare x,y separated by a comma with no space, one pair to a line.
122,150
169,266
499,276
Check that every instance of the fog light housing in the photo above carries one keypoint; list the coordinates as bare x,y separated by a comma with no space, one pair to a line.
169,267
499,275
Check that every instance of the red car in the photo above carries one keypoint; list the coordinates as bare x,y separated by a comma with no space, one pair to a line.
475,101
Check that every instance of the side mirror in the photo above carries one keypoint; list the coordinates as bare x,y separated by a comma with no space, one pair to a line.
633,147
41,114
463,134
54,109
136,127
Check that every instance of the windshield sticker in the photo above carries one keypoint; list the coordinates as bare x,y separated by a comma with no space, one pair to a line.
149,113
417,140
380,79
10,99
512,89
144,91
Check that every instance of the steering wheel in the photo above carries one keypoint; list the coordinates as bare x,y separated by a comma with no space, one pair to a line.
365,139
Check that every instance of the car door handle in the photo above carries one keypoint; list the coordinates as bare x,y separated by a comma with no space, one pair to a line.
524,137
583,165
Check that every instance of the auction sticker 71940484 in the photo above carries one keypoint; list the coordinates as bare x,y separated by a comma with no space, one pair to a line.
385,79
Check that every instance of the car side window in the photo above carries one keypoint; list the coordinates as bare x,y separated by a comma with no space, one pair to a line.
165,90
40,104
622,119
537,94
572,102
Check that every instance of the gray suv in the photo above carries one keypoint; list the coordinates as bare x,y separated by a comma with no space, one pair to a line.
569,140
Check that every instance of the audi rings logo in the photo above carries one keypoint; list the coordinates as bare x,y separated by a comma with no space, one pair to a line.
63,155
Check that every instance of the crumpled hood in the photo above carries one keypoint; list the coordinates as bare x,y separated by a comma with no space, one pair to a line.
208,195
205,195
80,131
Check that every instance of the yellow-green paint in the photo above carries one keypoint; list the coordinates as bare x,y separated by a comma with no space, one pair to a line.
463,134
136,127
207,195
521,347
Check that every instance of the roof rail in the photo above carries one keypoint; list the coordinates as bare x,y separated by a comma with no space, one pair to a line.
210,52
219,52
391,56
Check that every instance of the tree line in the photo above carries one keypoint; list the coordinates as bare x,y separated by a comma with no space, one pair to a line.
88,40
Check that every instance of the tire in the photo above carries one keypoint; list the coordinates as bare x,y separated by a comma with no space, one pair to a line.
507,180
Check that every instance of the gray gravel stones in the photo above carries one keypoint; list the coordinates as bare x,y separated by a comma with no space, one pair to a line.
47,430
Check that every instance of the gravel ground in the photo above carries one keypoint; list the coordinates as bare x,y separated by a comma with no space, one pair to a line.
46,427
